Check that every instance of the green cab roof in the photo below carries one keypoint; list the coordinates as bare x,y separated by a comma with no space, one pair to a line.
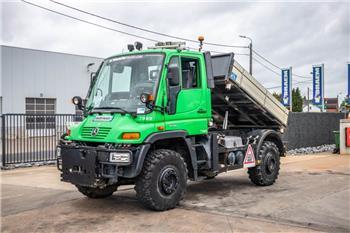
166,51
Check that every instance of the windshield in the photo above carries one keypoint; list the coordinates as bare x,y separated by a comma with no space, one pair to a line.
122,80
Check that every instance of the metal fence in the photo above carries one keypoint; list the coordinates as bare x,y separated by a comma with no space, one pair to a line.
32,137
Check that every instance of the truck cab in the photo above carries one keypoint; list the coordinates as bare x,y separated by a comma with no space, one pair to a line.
149,121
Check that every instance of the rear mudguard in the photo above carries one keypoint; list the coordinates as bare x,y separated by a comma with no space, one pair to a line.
267,135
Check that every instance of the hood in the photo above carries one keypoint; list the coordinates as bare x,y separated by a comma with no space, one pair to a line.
110,127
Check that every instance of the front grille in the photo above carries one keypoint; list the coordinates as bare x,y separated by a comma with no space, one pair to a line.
101,133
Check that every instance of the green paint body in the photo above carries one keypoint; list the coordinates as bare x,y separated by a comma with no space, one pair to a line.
193,110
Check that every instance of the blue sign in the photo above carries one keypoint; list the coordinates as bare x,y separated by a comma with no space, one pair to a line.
348,83
233,76
317,75
286,87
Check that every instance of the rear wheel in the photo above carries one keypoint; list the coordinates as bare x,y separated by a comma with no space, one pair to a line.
97,192
162,182
267,171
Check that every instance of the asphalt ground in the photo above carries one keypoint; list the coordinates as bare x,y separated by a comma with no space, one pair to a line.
312,193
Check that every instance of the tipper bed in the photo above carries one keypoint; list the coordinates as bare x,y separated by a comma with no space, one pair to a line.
246,101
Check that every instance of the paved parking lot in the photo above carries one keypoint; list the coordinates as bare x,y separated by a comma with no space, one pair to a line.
311,194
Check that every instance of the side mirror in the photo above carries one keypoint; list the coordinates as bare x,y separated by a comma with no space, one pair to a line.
78,101
92,77
173,76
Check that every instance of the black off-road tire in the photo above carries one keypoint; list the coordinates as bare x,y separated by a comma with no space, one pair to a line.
162,182
266,173
97,192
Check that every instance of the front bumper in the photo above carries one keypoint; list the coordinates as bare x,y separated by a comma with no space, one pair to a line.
90,166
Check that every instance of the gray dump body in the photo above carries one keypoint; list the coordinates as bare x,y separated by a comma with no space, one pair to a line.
247,102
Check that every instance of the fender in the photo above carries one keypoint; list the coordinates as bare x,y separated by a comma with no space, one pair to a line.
268,134
154,137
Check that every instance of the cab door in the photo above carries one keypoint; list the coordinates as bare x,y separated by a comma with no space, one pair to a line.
191,113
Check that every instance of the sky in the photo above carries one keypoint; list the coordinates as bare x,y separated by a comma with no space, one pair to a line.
289,34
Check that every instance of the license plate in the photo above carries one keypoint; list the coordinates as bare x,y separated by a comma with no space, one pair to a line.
117,157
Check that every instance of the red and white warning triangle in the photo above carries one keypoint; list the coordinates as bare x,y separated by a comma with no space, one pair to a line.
249,159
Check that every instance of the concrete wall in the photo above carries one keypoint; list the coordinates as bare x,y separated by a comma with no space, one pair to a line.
311,129
36,73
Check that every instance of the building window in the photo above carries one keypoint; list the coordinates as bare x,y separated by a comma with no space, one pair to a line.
40,113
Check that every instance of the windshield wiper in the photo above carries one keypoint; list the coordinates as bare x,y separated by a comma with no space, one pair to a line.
113,108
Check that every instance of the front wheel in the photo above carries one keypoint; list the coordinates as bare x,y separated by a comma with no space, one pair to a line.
266,172
162,182
97,192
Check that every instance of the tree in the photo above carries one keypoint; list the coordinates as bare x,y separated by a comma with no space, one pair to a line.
297,99
278,96
345,106
344,103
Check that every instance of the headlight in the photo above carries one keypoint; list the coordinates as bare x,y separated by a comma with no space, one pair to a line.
77,100
120,157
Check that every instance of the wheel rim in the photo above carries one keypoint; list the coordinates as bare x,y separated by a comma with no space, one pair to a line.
270,164
168,181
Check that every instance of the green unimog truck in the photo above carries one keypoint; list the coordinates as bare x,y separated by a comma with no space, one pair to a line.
158,117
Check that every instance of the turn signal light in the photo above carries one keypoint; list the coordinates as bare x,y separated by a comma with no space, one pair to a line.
150,98
130,136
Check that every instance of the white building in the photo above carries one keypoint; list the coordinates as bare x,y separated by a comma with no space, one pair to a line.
311,108
42,82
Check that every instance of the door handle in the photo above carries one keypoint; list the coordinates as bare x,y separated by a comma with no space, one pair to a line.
201,110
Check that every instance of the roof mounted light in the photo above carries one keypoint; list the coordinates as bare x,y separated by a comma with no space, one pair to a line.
200,39
138,45
131,47
169,45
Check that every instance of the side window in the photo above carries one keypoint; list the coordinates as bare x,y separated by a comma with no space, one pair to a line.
190,73
173,75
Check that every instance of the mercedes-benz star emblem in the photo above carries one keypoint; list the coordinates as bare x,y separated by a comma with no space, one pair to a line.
94,131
